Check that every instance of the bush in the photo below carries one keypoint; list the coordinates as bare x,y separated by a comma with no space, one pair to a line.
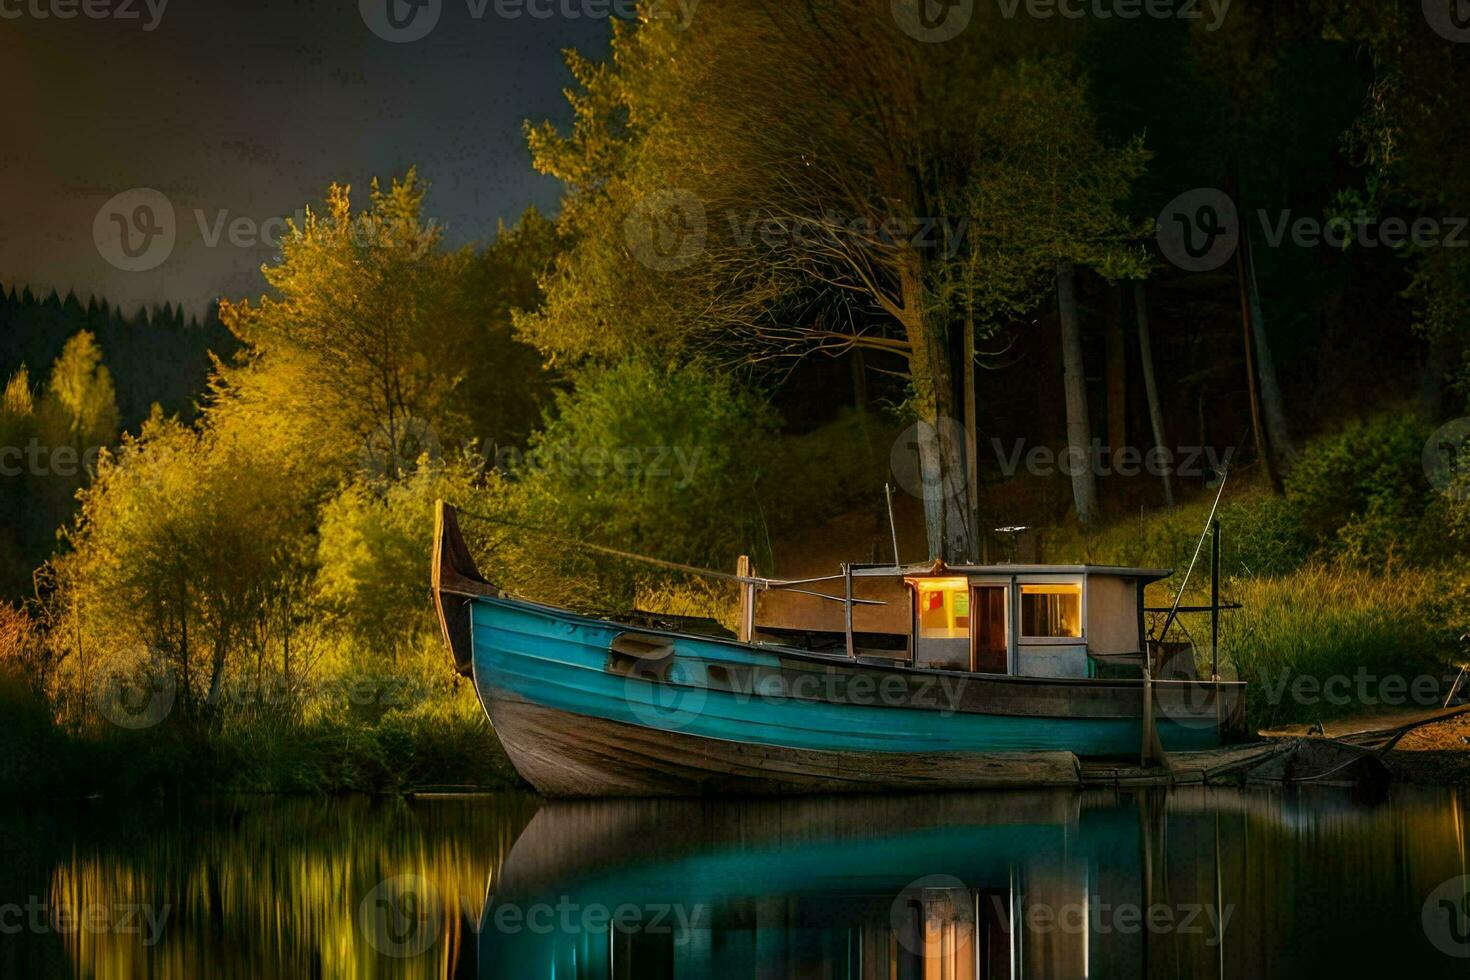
1361,494
658,461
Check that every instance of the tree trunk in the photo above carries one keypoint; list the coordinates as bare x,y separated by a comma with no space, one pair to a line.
940,444
1151,390
1271,401
859,368
980,537
1252,378
1079,427
1117,375
217,671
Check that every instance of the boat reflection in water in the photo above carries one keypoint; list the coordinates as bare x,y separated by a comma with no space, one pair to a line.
1059,884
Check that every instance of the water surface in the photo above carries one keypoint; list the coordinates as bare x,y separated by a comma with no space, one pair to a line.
1203,883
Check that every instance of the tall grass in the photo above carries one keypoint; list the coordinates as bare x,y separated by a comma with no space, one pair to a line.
1388,640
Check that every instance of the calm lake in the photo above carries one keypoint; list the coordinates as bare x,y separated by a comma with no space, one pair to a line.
1294,883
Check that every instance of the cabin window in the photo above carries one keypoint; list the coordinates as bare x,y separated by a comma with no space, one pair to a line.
1049,611
944,609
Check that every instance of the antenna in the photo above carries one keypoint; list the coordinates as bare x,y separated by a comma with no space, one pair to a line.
892,524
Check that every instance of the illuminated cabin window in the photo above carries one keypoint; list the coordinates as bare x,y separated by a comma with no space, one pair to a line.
944,608
1051,611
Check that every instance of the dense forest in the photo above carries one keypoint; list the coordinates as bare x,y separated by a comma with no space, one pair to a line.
999,252
77,377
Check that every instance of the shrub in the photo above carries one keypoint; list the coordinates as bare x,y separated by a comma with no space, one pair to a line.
1361,494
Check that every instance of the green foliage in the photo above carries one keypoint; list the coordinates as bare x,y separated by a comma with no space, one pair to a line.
1361,494
373,557
189,547
705,134
80,395
376,324
662,461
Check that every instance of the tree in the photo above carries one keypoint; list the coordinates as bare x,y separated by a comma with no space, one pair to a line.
181,547
375,327
663,461
786,179
1079,426
80,394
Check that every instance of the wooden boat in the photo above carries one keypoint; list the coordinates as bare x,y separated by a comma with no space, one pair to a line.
1013,695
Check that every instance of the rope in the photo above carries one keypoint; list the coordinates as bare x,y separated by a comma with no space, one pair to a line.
760,583
1214,508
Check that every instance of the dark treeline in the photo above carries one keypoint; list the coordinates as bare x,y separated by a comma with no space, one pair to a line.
155,356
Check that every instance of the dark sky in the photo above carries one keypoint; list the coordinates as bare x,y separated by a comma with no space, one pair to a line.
250,108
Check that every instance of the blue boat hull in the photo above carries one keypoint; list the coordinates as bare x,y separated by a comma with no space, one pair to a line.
712,716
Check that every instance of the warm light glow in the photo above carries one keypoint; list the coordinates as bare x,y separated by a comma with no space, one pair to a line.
944,607
1049,611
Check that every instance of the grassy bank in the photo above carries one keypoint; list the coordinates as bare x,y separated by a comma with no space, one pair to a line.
446,741
1354,582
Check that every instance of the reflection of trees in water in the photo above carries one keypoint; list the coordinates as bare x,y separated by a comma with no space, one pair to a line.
260,888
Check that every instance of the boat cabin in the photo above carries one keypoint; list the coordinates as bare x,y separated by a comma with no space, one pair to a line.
1071,621
1028,620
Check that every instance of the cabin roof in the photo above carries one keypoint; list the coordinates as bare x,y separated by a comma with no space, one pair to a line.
941,569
